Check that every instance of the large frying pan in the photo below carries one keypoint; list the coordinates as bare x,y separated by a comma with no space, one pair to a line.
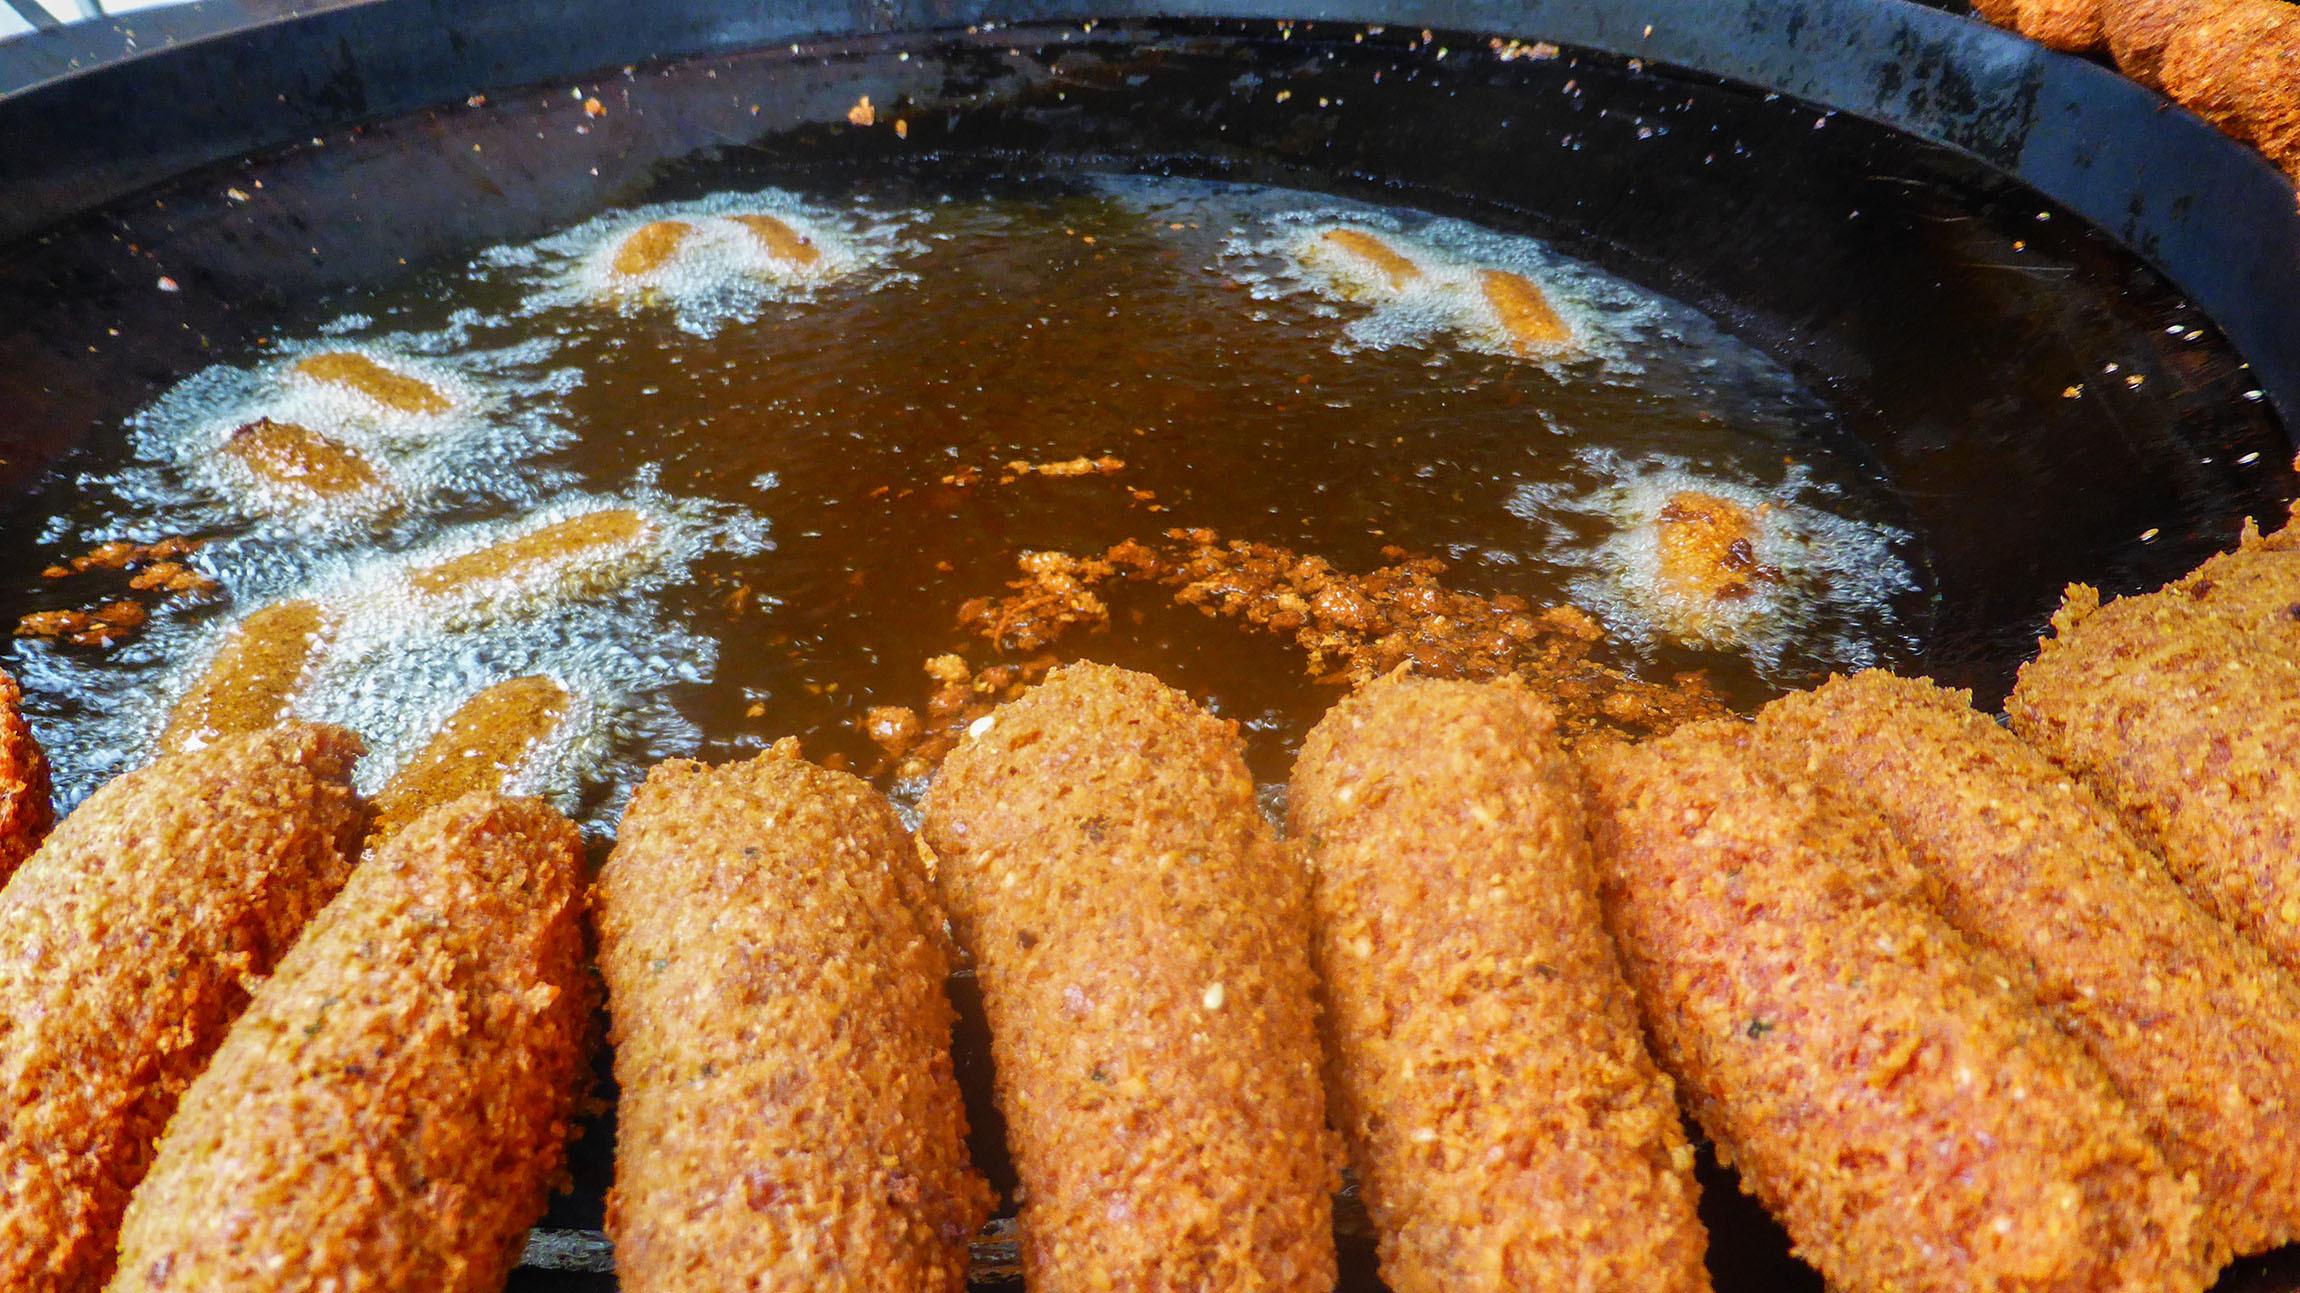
1942,228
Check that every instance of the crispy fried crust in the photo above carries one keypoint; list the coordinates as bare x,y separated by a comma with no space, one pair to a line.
127,944
2198,1029
2238,66
480,746
575,554
1483,1052
775,963
2073,25
300,459
393,1109
355,371
27,806
1524,313
1886,1089
252,680
2182,709
648,248
2138,31
1142,942
1394,266
780,240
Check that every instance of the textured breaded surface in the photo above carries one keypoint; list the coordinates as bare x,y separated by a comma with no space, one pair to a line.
780,240
1394,267
2073,25
1142,942
393,1109
480,746
2138,31
574,555
1483,1051
648,248
355,371
1523,311
2182,708
128,944
1886,1089
27,804
302,460
253,677
2199,1030
775,964
2238,67
1705,552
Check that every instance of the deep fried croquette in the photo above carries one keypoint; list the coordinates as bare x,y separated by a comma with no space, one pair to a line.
646,249
302,461
27,805
1705,553
2198,1029
357,372
577,553
253,677
789,1119
2073,25
1141,940
1885,1087
2238,67
1524,312
2138,31
127,946
2182,709
780,240
1372,253
479,748
392,1111
1483,1054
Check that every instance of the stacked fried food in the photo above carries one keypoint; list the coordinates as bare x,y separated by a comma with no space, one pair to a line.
2236,63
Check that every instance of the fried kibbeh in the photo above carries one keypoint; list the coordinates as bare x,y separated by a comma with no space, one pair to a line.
2072,25
27,802
1887,1089
2181,708
251,681
1521,308
570,556
780,240
302,463
127,946
1142,944
2198,1030
1365,254
392,1111
647,249
480,747
1484,1057
2137,32
363,374
775,963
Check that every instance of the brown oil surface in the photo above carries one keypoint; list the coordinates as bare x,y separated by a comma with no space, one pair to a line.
858,427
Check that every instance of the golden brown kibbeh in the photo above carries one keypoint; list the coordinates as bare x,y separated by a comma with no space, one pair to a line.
1889,1091
393,1110
127,947
775,961
2181,708
2199,1030
1142,944
27,803
1483,1051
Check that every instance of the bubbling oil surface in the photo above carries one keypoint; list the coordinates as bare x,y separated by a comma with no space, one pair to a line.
827,457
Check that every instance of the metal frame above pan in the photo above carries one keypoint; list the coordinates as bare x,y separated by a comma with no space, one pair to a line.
92,112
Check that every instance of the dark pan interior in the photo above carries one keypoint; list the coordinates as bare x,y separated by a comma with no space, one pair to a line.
2045,407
